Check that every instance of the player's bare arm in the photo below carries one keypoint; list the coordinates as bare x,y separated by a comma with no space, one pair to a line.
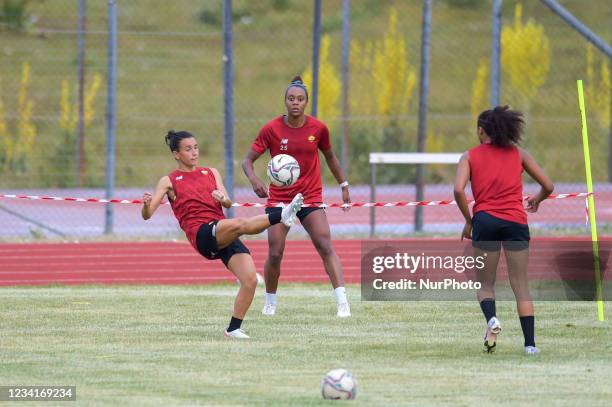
152,201
334,166
247,166
535,171
461,180
220,194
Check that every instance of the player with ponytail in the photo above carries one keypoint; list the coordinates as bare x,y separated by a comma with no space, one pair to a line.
301,136
197,196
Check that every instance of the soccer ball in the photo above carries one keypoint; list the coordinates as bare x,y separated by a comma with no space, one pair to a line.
339,384
283,170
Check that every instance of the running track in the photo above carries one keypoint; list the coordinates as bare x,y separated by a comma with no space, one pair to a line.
154,263
172,263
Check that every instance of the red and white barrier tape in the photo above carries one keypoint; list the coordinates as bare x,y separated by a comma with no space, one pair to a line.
586,211
264,205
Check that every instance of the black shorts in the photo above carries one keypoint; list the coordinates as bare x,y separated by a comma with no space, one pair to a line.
207,244
301,215
490,233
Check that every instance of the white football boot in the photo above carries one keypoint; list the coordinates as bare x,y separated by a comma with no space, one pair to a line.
236,333
494,327
269,309
344,310
289,211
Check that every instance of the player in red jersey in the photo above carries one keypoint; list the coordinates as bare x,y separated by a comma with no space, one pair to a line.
494,169
302,137
197,195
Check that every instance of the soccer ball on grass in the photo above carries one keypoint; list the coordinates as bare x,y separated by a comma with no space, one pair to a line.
339,384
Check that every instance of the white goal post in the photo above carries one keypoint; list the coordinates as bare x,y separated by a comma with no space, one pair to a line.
402,158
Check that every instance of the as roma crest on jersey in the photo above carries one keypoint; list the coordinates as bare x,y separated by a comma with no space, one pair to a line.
312,138
204,172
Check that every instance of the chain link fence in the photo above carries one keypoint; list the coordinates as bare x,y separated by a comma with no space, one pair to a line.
170,76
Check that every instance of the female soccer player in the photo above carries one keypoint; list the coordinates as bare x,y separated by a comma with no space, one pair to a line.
196,195
300,136
494,169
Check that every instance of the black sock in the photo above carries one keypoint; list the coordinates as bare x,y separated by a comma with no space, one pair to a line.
528,325
275,217
488,308
234,324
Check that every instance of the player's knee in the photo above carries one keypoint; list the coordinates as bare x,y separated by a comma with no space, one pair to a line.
249,281
275,257
325,248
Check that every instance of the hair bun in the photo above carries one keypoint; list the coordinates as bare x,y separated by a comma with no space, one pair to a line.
169,137
173,139
297,80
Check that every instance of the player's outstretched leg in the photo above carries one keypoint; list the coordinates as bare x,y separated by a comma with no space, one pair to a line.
228,230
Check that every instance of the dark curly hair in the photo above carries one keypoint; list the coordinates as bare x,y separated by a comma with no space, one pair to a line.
503,125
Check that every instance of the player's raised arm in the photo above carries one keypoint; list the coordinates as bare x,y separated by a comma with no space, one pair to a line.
220,194
152,202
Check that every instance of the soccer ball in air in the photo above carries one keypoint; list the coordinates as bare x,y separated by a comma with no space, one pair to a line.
283,170
339,384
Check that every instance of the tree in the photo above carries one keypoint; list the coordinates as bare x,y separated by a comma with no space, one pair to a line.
394,79
598,88
63,166
330,86
383,84
17,145
480,89
525,55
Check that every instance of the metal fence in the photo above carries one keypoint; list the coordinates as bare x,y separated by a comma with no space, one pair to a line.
170,71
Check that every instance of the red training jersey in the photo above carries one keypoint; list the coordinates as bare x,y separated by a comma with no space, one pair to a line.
495,174
303,144
193,204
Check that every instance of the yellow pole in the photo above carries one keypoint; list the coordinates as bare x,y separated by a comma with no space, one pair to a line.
592,218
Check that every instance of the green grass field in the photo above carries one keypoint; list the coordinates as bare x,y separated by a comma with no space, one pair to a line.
163,345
